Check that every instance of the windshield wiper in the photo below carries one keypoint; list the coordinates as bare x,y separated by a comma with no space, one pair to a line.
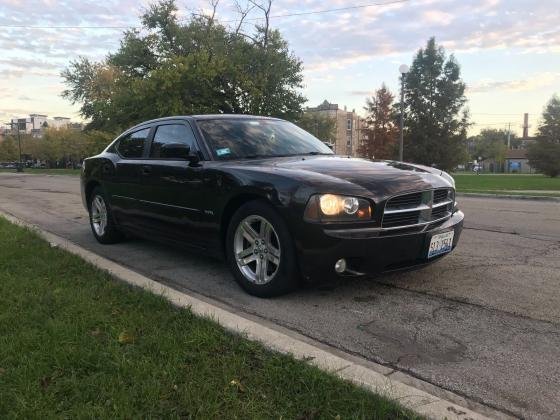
314,154
263,156
257,156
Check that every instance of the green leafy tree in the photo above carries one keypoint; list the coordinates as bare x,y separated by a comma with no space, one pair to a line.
381,133
320,125
436,118
490,144
56,145
195,66
544,155
8,149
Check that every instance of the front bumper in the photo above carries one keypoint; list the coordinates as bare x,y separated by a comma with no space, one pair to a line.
369,251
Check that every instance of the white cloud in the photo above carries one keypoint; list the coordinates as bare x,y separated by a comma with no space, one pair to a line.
534,82
328,43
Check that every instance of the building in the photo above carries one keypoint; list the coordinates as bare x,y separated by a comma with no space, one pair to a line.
35,124
516,161
60,122
348,126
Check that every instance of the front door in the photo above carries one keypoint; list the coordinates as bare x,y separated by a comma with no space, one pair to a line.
173,190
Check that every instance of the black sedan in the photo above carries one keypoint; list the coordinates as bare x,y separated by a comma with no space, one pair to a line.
270,198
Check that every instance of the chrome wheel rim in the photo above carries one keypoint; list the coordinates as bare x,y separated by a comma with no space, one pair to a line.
257,249
99,215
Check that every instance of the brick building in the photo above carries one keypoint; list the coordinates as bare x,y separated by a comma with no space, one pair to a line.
348,126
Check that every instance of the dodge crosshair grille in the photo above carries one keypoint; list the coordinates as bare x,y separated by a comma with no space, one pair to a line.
418,208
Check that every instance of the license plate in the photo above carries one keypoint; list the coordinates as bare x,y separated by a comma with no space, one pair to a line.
440,244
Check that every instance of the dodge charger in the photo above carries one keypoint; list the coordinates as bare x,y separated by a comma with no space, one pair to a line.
271,199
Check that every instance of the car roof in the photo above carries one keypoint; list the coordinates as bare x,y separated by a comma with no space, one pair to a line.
204,117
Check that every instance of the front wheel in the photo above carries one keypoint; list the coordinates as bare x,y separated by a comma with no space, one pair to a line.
101,220
260,251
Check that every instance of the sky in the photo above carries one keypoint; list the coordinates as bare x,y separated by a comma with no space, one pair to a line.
509,50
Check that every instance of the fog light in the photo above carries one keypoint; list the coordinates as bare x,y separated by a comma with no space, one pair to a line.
340,266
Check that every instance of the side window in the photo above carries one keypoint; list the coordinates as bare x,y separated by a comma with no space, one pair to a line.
132,145
171,134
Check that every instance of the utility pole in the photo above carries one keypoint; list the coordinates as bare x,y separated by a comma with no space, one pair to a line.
20,164
508,143
403,70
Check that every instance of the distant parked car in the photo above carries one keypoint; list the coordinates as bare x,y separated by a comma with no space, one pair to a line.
270,198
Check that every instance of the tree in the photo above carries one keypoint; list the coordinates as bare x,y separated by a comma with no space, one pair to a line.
490,144
436,118
8,149
544,155
321,126
380,134
197,66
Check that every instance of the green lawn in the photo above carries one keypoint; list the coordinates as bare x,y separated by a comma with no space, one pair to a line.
75,343
46,171
507,184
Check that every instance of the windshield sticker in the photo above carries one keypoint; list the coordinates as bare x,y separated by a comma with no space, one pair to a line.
223,152
254,123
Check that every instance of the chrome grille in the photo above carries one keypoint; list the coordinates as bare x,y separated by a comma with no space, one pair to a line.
440,195
401,219
407,200
418,208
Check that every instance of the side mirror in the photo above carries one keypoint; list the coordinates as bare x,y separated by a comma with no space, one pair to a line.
178,151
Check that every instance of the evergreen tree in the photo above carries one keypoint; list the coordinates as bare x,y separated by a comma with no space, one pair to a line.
436,118
544,155
381,133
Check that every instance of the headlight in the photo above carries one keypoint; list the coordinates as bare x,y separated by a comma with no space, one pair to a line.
337,208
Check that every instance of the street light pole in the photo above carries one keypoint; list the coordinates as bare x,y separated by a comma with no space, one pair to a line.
20,164
403,70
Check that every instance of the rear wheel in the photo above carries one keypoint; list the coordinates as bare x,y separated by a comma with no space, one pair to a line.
101,220
260,251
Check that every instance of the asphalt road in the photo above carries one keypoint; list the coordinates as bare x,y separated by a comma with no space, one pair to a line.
482,323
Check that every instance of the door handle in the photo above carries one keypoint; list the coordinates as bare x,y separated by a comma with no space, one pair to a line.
146,170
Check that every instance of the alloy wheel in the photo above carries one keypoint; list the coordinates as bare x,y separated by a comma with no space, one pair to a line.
99,215
257,249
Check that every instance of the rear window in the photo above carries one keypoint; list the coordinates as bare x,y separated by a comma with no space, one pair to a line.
132,145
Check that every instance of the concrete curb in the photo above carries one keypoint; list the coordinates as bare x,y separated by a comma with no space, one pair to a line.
361,372
510,197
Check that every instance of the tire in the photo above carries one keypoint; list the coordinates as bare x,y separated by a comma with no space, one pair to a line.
267,264
101,219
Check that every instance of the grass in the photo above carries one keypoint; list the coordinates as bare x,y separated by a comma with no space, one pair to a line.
75,343
62,171
508,184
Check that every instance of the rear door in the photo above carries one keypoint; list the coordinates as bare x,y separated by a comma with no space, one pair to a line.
174,188
125,187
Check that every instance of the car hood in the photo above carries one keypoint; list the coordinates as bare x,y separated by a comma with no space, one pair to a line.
351,175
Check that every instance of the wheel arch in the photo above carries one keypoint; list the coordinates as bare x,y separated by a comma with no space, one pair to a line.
231,207
90,186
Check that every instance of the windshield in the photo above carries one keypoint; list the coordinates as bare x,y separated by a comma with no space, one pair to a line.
254,138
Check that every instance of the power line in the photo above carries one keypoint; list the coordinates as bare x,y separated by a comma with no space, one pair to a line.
316,12
66,27
500,123
490,113
303,13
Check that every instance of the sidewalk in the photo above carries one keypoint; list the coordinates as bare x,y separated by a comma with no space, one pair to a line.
543,195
